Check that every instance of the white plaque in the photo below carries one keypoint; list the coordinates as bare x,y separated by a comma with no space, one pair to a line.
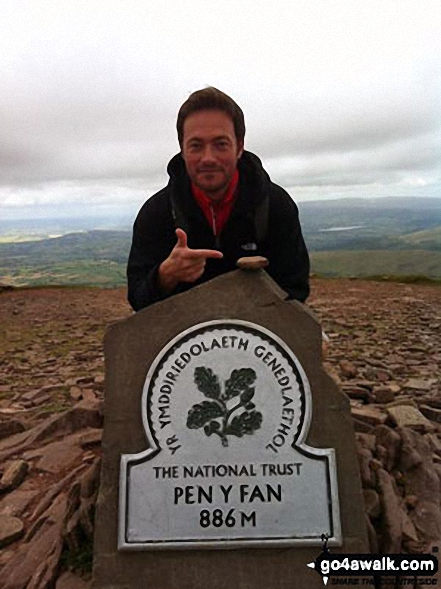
226,407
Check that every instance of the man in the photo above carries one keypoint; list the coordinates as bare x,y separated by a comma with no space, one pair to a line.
219,205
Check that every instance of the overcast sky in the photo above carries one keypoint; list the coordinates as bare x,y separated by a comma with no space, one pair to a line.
341,97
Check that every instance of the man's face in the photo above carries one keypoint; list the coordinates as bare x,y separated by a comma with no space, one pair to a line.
210,151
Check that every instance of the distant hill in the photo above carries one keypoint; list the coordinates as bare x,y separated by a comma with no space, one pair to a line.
428,238
347,237
93,257
371,224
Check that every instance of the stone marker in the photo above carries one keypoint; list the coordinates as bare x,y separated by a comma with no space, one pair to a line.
224,441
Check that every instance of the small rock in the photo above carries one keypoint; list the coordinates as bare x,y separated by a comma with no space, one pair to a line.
406,401
434,443
50,387
366,441
252,263
17,502
382,455
11,529
90,480
41,400
431,413
355,392
9,427
84,379
31,396
369,415
13,475
348,369
365,384
419,384
75,393
409,531
364,460
411,451
394,359
91,438
372,536
411,501
383,375
384,395
371,503
392,511
69,580
433,402
394,387
361,426
58,456
389,439
88,395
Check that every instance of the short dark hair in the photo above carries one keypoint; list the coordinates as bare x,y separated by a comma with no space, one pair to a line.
211,99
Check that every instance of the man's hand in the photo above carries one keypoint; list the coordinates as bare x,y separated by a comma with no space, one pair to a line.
183,264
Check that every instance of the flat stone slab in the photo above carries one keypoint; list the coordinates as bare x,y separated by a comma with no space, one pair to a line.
57,456
418,384
11,529
369,415
15,503
407,416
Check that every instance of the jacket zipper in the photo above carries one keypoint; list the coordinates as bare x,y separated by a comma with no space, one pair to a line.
214,227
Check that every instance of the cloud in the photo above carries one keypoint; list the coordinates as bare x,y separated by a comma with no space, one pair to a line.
342,95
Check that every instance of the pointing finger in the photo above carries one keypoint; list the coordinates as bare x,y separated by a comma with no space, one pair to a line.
205,254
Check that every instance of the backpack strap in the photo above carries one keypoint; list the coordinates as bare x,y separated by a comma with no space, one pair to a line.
261,218
179,217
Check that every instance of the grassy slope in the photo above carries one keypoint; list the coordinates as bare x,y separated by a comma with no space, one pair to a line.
83,272
377,263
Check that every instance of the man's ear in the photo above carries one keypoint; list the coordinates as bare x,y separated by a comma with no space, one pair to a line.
239,149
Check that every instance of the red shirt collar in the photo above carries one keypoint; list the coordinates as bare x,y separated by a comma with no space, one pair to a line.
217,211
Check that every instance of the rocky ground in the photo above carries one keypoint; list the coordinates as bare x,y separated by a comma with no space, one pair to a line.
384,349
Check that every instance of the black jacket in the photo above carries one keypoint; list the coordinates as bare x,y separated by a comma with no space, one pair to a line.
174,206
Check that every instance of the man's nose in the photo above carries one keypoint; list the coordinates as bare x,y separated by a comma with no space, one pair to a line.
208,154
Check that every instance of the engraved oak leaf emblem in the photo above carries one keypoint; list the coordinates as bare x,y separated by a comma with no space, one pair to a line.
216,416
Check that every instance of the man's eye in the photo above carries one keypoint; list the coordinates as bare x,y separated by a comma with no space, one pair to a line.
222,144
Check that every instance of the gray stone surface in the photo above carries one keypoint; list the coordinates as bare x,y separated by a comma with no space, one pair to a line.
130,348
